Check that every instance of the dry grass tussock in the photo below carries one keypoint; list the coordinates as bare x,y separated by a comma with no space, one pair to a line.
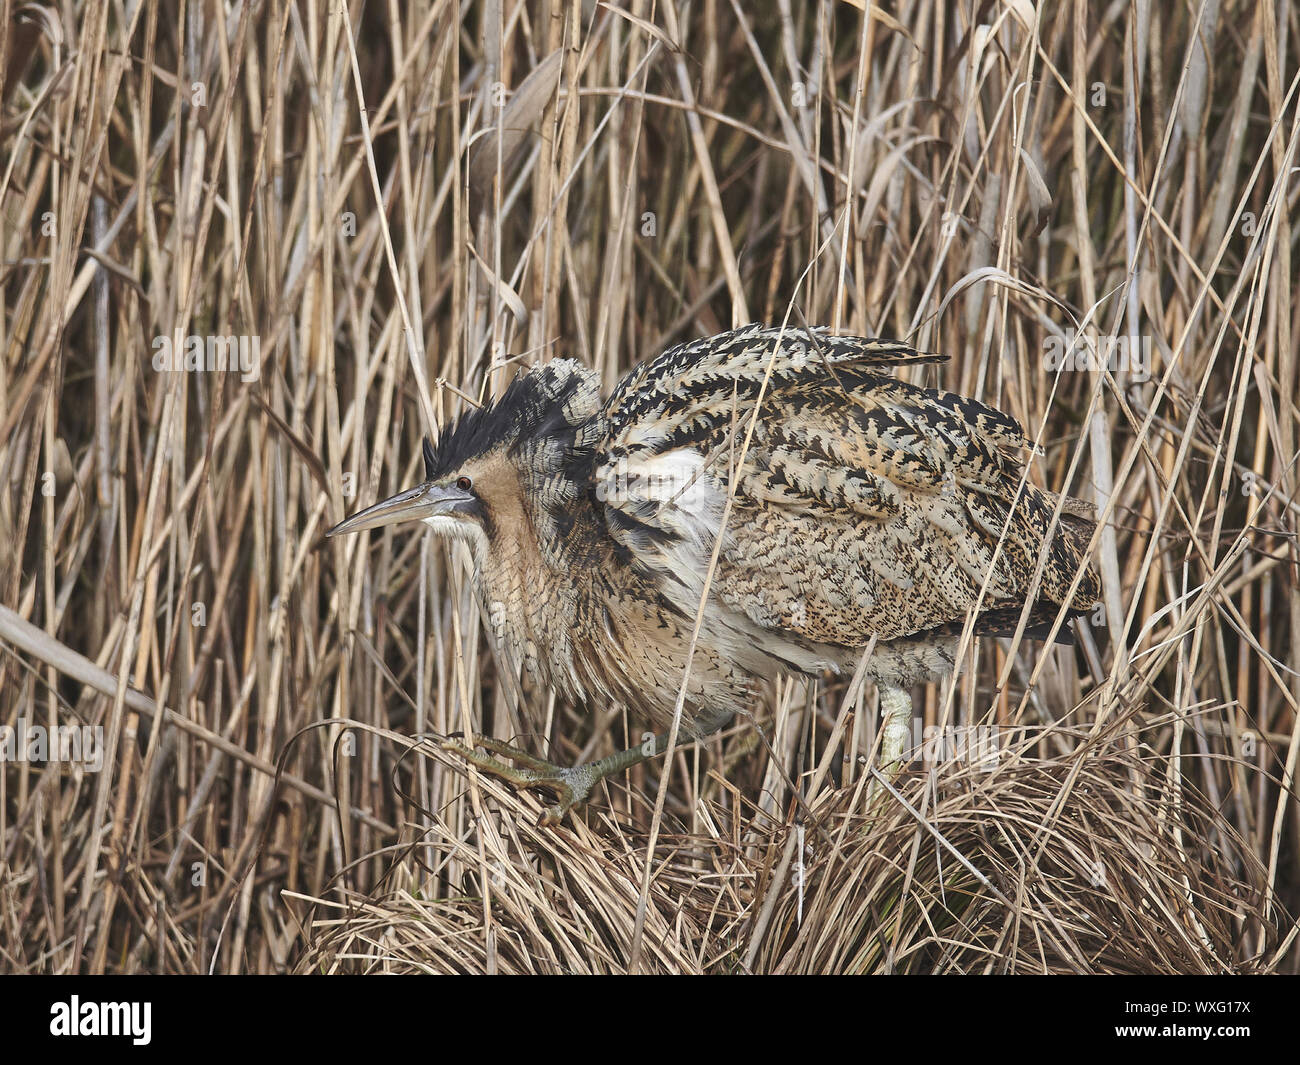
397,204
1026,864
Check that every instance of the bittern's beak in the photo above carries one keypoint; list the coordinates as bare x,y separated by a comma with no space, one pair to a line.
426,500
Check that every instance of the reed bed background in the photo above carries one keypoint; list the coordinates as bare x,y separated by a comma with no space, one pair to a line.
397,204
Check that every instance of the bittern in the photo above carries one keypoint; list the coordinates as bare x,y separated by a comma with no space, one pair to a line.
852,506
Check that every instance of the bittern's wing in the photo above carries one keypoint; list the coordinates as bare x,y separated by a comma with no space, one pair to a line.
865,505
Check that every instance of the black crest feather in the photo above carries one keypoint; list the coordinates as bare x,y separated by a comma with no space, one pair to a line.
549,400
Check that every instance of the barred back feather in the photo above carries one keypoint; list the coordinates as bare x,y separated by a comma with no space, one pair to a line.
863,507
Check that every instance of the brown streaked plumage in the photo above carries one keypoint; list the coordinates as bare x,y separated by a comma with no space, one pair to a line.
865,507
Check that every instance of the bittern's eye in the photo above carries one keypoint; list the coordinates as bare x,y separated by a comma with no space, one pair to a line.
464,484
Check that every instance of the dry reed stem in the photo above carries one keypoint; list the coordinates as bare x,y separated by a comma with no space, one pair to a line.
402,205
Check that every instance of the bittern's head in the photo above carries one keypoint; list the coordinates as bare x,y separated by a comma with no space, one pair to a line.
504,464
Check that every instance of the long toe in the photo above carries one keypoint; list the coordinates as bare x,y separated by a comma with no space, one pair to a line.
570,785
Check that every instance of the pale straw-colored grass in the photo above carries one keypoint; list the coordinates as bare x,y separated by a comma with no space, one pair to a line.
405,202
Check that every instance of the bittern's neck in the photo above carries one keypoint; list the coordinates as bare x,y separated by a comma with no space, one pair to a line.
536,576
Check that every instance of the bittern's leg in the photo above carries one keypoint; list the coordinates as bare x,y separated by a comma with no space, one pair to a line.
571,783
896,720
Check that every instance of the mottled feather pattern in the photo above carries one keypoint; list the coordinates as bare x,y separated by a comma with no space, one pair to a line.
865,507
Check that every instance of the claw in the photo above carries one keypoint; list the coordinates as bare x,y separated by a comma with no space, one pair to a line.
570,785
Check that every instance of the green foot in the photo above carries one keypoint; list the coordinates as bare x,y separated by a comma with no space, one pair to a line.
570,785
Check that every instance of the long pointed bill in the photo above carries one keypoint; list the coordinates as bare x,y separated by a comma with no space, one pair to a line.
415,504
